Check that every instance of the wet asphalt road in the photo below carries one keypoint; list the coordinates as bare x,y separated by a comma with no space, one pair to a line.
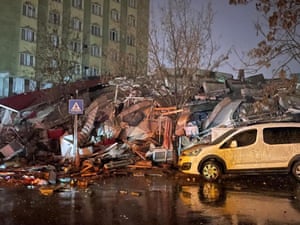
157,199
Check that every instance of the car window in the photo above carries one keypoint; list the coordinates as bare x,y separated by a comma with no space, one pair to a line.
281,135
244,138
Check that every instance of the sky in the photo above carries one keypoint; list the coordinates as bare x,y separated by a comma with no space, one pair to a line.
233,27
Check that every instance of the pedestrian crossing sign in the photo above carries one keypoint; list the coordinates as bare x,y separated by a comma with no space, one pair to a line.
76,106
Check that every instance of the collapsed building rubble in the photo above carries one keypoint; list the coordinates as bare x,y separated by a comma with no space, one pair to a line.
126,126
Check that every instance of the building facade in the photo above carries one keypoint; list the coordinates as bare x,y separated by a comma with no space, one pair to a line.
58,40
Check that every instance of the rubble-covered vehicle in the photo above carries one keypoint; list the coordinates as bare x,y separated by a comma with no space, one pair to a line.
259,148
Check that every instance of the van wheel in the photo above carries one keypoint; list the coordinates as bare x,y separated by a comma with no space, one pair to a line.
211,170
296,170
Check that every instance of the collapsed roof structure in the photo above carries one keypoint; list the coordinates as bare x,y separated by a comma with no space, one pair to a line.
125,123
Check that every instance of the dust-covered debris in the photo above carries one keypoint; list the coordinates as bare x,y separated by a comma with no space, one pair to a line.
126,127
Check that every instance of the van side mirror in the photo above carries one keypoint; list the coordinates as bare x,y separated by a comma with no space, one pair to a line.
233,144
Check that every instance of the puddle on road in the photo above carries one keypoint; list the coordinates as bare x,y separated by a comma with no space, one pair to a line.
152,201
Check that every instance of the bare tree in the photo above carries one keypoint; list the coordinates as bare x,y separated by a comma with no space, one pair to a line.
279,27
58,58
184,43
125,64
59,49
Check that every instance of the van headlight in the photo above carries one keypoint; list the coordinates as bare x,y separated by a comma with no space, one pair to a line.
191,152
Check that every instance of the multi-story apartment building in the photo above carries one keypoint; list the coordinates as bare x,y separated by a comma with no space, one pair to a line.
54,40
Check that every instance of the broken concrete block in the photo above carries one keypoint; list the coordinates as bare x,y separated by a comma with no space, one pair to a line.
10,150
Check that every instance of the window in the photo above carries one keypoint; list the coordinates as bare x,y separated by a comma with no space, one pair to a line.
54,38
76,46
114,55
131,60
96,30
77,69
281,135
54,17
29,10
131,40
27,59
243,139
76,24
86,71
113,35
132,3
95,50
115,16
94,71
57,1
97,9
27,34
131,21
91,71
77,4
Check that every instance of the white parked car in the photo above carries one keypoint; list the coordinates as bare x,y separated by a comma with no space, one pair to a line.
259,148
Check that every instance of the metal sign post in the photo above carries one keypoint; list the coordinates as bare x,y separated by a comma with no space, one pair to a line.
75,144
76,107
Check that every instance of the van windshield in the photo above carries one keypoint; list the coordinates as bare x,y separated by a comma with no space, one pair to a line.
223,136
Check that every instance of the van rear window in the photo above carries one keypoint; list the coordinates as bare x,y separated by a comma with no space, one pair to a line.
281,135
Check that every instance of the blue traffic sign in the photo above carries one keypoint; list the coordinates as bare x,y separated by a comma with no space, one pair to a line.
76,106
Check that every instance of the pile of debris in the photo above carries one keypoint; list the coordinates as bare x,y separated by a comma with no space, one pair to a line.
119,129
125,125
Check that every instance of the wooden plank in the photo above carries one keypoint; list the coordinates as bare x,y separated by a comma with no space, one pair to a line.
165,108
172,112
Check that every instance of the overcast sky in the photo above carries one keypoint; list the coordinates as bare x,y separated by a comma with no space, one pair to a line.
233,27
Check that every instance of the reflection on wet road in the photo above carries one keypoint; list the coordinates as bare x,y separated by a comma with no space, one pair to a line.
154,200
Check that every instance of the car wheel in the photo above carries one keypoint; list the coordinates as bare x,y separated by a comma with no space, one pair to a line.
211,171
296,170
